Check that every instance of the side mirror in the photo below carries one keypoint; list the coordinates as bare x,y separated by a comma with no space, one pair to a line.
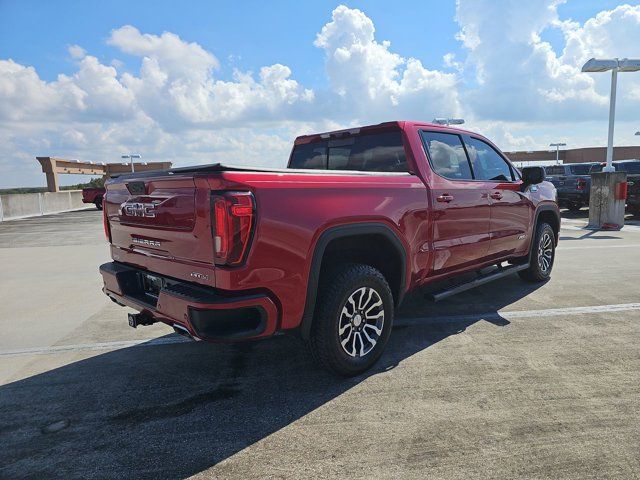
532,176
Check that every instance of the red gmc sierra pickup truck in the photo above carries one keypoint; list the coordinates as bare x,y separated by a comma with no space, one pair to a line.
328,247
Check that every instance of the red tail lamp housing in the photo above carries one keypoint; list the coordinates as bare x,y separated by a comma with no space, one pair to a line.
581,184
232,222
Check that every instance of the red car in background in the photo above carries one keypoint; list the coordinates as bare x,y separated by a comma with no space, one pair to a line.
328,247
93,195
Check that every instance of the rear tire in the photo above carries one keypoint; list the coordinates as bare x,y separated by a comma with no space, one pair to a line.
353,319
543,252
98,203
574,207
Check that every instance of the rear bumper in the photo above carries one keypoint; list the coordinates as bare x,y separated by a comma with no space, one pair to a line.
207,313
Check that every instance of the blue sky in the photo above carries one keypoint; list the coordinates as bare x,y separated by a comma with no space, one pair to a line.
259,73
37,33
255,31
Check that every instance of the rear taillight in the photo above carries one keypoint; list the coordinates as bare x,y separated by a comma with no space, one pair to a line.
105,219
581,184
232,222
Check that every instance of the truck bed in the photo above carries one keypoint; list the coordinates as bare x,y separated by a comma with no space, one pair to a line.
175,236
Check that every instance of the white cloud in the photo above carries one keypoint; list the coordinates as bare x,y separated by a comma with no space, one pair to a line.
25,97
449,61
374,81
76,51
103,96
610,33
520,77
176,87
175,57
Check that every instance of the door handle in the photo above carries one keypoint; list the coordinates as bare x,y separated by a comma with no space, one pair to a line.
496,195
445,198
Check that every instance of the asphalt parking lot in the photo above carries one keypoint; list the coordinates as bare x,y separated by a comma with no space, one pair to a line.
508,380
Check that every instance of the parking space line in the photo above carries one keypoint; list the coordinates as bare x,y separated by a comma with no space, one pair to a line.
589,247
516,314
19,234
550,312
96,346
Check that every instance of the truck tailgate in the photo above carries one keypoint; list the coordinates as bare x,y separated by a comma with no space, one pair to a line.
163,217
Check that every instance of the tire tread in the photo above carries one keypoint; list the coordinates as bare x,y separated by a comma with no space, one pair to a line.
332,288
533,274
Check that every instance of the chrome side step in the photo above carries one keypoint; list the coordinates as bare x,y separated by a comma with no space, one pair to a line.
481,280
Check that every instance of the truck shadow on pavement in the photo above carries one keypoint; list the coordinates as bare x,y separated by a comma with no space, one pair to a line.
172,411
591,235
584,214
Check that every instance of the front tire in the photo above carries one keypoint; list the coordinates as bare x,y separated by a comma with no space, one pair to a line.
98,203
543,252
574,207
353,319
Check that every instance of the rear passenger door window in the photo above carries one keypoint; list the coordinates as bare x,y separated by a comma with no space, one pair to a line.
447,155
486,162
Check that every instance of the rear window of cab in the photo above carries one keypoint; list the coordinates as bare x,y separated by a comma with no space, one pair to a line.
374,152
554,170
580,169
629,167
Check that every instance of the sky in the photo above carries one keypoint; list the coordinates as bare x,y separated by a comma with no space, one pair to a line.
235,82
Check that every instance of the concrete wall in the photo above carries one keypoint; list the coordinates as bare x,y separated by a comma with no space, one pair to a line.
21,205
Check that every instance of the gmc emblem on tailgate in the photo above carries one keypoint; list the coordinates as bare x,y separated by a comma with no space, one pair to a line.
138,210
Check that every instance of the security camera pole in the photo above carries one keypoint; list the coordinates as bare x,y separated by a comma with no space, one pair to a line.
608,189
131,156
557,145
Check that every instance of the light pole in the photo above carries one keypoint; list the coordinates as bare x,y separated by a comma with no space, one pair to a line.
557,145
448,121
131,156
615,65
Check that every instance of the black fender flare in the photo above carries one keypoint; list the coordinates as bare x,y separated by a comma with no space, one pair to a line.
549,207
340,231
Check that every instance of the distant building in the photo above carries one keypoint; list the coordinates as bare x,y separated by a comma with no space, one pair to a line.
574,155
